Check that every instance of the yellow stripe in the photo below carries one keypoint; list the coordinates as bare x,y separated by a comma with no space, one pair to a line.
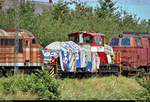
52,73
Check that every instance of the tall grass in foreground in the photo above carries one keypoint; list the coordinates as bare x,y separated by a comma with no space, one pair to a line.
106,88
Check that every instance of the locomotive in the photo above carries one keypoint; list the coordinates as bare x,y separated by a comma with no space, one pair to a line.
133,48
30,55
84,54
92,56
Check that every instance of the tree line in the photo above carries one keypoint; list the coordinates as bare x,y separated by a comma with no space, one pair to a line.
54,24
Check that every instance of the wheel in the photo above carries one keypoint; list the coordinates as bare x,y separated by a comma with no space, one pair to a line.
1,73
100,73
141,72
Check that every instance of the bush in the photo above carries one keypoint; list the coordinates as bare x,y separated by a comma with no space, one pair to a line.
45,86
39,83
146,84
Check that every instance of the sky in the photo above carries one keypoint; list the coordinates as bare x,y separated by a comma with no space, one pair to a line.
141,8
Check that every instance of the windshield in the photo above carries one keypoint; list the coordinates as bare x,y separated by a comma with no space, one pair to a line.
74,39
138,42
88,39
125,42
99,40
114,42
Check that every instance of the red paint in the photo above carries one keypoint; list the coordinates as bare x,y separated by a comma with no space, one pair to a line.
134,55
50,1
103,58
48,49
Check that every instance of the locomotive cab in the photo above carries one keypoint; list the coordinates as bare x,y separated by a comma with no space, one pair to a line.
87,38
91,41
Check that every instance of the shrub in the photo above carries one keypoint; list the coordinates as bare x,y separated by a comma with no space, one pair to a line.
44,85
39,83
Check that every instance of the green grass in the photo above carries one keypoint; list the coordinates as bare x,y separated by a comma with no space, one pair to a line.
106,88
18,96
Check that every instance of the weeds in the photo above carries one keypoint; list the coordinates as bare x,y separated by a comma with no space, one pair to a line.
39,83
106,88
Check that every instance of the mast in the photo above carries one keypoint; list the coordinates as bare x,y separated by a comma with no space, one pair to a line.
16,38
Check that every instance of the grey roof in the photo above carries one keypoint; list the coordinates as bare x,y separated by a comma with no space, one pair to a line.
38,7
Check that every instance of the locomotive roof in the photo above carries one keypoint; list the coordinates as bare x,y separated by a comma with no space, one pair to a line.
87,33
136,34
12,32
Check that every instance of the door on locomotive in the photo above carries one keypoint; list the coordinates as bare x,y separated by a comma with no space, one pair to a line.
134,49
27,51
33,52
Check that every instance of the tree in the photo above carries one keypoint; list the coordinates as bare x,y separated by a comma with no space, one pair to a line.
107,8
60,10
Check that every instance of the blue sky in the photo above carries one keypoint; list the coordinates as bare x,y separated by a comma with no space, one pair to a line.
139,7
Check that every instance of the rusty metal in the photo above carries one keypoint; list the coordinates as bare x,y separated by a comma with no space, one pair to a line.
31,55
135,55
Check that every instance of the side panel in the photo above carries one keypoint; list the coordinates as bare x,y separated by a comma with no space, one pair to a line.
103,58
7,55
133,56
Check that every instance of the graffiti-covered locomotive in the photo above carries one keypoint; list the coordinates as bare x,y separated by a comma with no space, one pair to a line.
85,54
30,54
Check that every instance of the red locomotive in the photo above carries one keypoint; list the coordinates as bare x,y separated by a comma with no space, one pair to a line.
133,51
95,42
30,55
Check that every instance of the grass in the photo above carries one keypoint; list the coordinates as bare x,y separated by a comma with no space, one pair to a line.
18,96
106,88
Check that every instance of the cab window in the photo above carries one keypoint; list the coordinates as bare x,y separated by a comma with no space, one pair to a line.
88,39
20,46
33,41
99,40
138,42
125,42
114,42
74,39
7,42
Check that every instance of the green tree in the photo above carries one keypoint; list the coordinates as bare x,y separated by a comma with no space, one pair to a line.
107,8
60,10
